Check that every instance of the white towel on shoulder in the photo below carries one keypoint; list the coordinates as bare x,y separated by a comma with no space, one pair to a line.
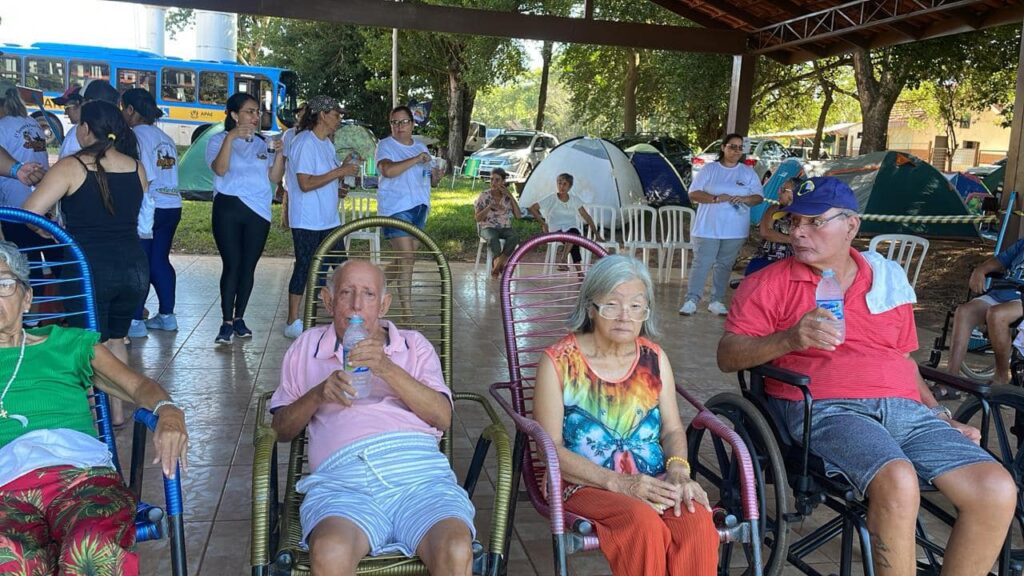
889,285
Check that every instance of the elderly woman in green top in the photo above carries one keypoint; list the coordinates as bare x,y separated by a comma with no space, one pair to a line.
63,507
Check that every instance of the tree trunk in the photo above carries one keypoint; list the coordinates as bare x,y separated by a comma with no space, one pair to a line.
877,97
816,150
456,129
542,98
629,96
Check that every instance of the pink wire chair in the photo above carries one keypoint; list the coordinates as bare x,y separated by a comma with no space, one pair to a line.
535,309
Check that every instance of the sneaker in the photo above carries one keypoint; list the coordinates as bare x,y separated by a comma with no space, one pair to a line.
163,322
688,308
241,330
293,330
137,329
718,308
224,336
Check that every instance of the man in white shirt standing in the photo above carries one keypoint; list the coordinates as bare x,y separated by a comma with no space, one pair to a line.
313,173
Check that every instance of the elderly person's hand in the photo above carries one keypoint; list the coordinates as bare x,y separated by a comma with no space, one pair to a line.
337,389
659,494
171,441
977,281
370,353
813,331
969,432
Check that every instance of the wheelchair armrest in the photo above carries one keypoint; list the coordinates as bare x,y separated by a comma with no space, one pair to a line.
496,434
548,453
801,381
972,387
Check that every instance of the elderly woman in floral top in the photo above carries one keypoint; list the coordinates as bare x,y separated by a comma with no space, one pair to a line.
494,211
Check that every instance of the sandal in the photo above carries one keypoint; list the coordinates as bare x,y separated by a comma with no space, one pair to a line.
942,393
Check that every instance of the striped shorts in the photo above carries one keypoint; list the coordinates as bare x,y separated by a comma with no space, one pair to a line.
394,486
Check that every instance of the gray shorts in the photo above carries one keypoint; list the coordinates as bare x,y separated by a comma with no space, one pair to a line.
856,438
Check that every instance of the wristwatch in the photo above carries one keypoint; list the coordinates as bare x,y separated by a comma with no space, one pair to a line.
939,410
163,403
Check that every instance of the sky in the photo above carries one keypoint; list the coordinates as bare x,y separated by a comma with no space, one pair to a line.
111,24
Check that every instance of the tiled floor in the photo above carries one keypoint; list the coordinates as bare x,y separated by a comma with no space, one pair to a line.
219,385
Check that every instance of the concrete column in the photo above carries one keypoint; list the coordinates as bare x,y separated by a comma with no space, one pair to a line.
741,93
1014,175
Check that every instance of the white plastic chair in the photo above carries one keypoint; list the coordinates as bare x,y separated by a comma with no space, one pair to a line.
674,224
604,218
551,255
359,205
481,246
639,223
902,248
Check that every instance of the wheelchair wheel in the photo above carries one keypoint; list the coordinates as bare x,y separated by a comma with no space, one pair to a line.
979,366
1003,439
713,461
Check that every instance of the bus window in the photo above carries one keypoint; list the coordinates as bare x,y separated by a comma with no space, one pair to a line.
128,79
178,85
80,72
47,74
213,88
10,68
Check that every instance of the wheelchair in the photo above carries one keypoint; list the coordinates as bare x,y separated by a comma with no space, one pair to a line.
791,481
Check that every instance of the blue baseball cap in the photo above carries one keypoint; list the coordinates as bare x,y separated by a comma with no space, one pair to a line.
816,195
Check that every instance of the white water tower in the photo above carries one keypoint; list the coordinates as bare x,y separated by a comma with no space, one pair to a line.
149,28
216,36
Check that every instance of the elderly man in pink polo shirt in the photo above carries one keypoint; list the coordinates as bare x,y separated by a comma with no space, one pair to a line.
874,420
379,483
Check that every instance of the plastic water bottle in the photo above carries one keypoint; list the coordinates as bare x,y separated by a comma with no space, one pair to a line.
829,296
354,334
427,174
350,181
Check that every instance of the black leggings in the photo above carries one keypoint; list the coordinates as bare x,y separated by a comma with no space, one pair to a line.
241,235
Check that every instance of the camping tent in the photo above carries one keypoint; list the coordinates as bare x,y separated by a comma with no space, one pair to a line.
900,184
965,184
195,178
601,174
662,184
354,136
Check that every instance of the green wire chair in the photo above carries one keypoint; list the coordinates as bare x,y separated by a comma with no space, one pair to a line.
275,521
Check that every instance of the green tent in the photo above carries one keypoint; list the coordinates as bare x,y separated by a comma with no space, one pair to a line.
994,181
354,136
195,178
897,183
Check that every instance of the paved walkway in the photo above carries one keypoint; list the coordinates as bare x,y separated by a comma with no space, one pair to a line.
218,387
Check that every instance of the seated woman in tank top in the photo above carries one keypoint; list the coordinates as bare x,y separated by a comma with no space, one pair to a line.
100,190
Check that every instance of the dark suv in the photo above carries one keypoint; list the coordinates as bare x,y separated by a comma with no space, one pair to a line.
674,150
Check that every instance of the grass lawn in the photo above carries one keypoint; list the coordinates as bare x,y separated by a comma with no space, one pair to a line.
450,223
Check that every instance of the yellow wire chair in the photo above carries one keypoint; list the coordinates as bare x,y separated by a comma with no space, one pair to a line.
276,531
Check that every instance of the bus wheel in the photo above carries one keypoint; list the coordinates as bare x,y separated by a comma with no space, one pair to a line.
51,138
199,132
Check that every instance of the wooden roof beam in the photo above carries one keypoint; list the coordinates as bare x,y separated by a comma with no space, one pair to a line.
455,20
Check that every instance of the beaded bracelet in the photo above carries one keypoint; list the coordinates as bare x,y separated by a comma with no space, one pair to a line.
14,169
680,459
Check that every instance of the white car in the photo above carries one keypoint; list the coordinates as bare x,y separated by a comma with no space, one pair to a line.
761,155
517,151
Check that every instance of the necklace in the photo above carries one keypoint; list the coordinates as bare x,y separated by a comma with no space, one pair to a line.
17,367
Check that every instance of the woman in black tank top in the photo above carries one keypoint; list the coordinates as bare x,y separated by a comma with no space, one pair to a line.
100,191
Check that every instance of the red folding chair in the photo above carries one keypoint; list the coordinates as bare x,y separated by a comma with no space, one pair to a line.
535,309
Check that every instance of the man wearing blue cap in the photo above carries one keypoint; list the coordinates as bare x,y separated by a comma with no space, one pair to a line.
874,421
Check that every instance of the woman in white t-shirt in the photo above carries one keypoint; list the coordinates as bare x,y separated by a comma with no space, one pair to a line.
24,140
314,176
161,209
724,191
560,212
403,191
246,168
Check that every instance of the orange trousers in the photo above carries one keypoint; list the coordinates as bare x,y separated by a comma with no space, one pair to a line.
637,541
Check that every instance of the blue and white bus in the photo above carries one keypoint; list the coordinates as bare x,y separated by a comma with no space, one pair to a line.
192,93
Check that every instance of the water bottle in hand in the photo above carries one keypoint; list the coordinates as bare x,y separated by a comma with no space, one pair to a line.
354,334
829,296
352,158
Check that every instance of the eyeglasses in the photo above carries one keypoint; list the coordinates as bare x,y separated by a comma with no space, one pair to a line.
401,122
8,286
613,311
816,223
736,147
71,107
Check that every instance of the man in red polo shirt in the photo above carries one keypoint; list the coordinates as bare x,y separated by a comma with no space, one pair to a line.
874,420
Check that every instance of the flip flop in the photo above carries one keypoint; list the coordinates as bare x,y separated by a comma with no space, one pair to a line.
942,393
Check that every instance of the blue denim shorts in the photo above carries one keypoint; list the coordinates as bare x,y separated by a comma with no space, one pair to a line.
416,216
856,438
